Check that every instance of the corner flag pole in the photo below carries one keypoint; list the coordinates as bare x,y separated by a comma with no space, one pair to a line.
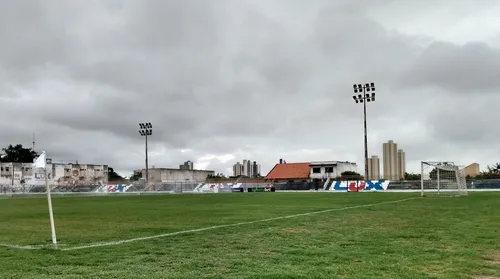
51,213
41,163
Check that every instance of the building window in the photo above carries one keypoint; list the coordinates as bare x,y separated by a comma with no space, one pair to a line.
7,169
316,170
329,169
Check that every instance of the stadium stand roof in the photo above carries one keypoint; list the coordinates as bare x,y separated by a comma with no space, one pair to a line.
289,171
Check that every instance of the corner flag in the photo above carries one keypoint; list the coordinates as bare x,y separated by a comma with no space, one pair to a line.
41,163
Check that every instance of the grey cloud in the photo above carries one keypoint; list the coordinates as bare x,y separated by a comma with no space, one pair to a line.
258,80
471,68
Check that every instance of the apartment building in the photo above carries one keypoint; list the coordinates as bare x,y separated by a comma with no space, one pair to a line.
247,168
374,168
394,161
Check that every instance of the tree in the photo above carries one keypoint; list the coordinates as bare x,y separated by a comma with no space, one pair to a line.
113,176
493,172
495,169
218,176
442,173
17,154
412,176
135,176
350,175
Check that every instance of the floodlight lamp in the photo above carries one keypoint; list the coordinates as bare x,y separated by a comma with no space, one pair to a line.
367,88
354,86
355,90
357,101
373,95
367,100
361,101
148,125
354,97
373,86
360,86
141,125
360,97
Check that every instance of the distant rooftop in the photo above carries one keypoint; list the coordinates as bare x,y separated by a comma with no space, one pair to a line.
320,163
289,171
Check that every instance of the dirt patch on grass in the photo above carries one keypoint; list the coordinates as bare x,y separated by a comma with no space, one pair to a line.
485,277
449,248
296,230
266,252
494,258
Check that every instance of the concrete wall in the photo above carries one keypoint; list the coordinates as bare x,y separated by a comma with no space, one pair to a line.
176,175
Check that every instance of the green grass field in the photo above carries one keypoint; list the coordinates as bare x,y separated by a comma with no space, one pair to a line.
417,238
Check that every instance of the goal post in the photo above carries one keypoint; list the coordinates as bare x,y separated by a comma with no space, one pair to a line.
442,179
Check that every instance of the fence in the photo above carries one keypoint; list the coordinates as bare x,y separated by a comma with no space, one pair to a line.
203,187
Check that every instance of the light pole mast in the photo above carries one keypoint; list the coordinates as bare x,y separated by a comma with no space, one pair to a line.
145,130
362,95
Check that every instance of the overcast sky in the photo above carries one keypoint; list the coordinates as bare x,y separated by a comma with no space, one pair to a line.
222,81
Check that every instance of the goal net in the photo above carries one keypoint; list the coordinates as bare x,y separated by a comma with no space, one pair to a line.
442,178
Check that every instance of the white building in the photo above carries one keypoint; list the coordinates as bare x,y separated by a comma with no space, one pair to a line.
330,169
60,174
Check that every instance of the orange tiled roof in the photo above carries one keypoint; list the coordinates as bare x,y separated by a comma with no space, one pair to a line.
289,171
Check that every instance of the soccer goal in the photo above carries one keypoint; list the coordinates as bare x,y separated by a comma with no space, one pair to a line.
442,178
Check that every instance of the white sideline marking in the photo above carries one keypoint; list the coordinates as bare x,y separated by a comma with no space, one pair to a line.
25,247
28,247
114,243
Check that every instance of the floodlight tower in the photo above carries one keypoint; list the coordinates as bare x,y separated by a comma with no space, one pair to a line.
362,95
146,129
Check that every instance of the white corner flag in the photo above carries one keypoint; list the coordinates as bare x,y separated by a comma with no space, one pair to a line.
41,163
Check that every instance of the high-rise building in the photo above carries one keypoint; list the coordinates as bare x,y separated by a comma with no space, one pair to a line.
394,161
237,169
188,165
255,169
401,164
373,168
247,168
